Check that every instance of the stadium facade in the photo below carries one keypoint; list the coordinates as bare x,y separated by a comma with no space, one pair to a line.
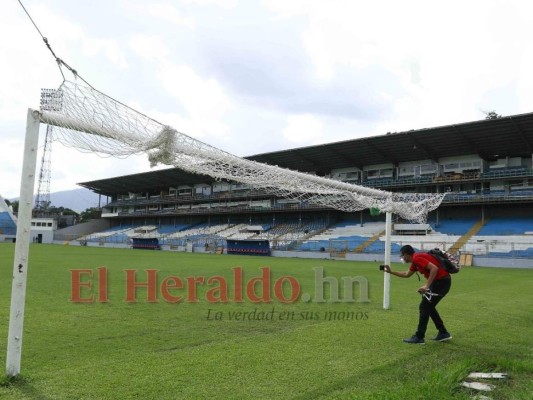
485,167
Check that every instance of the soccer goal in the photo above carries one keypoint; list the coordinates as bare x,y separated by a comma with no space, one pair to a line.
89,120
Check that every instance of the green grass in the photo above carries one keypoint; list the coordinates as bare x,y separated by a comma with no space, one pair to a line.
160,350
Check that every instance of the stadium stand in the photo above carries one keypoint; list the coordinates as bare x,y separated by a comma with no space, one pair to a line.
104,236
346,235
455,226
239,231
491,181
7,225
507,226
169,229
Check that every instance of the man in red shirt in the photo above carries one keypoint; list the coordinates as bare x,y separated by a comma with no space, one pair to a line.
438,283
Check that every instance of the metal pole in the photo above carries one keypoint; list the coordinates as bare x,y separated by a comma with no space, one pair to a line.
22,247
386,277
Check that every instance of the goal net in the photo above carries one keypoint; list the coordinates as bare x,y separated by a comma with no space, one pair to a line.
115,129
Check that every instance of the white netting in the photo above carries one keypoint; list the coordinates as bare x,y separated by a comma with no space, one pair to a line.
118,130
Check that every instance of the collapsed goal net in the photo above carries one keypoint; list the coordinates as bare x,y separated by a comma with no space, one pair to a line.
115,129
89,120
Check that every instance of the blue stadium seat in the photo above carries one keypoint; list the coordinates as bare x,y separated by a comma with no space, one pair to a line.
507,226
455,226
7,225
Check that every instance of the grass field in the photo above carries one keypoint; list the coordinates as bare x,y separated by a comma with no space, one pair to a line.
328,350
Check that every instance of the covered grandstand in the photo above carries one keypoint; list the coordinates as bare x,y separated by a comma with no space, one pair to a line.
485,167
8,222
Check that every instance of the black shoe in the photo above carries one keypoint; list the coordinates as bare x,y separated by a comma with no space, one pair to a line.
414,340
441,337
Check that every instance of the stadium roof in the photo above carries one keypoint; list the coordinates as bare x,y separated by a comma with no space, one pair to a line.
510,136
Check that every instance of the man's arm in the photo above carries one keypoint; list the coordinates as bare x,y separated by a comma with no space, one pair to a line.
401,274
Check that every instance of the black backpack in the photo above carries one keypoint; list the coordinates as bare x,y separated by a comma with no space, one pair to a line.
446,261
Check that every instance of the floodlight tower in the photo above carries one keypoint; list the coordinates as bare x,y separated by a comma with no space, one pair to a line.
42,201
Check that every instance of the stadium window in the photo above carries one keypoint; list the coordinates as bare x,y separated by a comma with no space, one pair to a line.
407,171
352,175
451,166
428,169
386,172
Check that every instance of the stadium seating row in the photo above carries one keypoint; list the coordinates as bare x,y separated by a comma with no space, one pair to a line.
343,236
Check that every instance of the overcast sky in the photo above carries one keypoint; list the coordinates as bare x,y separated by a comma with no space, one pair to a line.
254,76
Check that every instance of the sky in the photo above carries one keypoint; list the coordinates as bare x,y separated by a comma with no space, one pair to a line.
255,76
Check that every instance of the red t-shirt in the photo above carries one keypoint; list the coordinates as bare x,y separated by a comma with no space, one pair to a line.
420,263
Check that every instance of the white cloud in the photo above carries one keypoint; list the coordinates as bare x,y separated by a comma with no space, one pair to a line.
168,12
149,47
20,83
228,4
29,66
303,129
445,58
11,165
111,49
289,9
175,120
70,166
203,98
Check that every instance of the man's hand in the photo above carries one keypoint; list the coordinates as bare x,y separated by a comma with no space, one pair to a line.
423,289
386,268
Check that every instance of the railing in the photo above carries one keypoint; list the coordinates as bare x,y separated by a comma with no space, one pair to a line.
508,173
223,210
170,199
398,182
492,248
500,248
521,196
451,198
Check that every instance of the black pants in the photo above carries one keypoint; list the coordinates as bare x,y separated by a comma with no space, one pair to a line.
428,310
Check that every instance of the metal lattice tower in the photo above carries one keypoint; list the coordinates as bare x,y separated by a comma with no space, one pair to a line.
42,201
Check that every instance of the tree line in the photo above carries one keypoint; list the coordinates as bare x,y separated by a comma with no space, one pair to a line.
84,216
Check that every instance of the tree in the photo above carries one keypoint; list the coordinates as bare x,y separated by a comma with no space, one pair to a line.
491,115
90,213
14,204
61,211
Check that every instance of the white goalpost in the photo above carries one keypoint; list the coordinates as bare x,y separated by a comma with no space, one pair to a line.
22,245
89,120
386,277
